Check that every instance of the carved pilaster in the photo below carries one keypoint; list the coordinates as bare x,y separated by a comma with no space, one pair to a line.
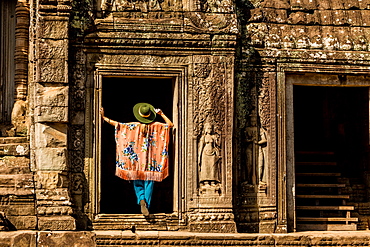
212,211
256,198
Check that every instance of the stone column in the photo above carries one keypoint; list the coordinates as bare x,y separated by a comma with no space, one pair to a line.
50,97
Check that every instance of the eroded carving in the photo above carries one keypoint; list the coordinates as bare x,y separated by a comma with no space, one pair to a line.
251,135
141,5
207,22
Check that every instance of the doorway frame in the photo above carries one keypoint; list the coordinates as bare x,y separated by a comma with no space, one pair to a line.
169,221
288,75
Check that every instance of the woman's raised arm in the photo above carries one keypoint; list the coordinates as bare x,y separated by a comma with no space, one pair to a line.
166,119
110,121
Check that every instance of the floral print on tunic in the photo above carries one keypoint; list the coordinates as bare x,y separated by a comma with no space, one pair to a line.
140,156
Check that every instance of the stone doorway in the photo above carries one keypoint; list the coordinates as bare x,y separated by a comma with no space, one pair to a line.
119,95
331,138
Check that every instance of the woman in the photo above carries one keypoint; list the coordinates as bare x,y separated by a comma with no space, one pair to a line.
142,151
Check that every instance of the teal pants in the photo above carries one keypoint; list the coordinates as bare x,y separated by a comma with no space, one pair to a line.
143,190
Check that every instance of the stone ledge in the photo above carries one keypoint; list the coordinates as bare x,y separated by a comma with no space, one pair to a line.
8,140
14,149
181,238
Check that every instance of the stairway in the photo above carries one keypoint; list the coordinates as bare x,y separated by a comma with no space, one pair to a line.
320,205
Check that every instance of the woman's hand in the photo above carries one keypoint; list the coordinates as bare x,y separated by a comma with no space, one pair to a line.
101,112
158,111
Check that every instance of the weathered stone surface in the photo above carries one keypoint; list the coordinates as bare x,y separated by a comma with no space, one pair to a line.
23,222
17,184
53,29
52,95
14,165
81,239
51,159
18,209
25,239
52,223
52,102
19,149
51,135
52,114
53,49
47,72
51,180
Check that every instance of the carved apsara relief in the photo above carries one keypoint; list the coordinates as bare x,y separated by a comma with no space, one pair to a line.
209,110
209,156
256,136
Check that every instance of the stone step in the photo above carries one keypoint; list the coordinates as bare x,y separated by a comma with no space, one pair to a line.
14,149
323,196
326,227
345,208
320,163
315,152
12,140
322,185
330,219
319,174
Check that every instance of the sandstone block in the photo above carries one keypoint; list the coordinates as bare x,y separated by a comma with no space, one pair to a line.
51,135
16,184
56,197
81,239
18,209
14,165
51,159
52,114
7,181
52,70
52,180
54,29
51,95
53,49
25,239
50,223
23,222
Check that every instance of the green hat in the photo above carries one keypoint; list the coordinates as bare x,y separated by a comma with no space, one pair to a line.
144,112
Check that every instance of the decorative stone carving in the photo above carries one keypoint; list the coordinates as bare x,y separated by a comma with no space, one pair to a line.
142,5
262,156
212,220
251,135
206,22
217,6
209,156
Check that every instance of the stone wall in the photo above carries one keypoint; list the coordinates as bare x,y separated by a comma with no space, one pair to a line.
280,38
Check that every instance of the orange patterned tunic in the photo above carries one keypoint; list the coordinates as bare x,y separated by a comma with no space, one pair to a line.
142,155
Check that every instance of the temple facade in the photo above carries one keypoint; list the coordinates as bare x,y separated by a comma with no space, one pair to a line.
278,90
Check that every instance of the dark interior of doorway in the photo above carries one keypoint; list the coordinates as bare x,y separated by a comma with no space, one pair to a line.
119,95
331,138
333,119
